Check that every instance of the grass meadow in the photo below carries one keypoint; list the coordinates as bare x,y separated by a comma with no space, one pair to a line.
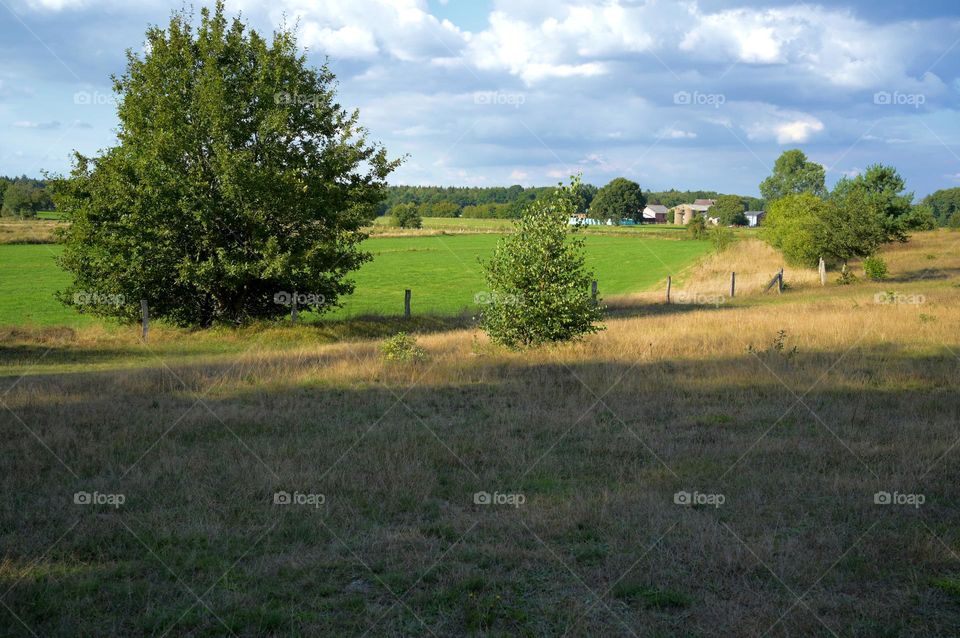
705,468
443,271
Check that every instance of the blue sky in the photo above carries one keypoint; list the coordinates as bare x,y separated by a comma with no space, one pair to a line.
494,92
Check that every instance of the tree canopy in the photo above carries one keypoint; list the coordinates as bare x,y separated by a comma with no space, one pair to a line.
729,210
237,177
794,174
620,199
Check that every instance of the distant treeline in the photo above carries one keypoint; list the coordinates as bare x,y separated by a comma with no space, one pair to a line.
507,202
945,205
23,196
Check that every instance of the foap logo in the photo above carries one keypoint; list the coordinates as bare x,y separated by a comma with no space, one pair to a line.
499,498
891,297
96,498
484,298
686,98
499,98
686,498
302,299
886,98
700,299
86,298
94,98
299,498
896,498
295,99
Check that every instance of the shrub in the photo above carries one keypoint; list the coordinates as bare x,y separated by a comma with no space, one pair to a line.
721,238
846,277
402,347
537,278
697,228
875,268
406,216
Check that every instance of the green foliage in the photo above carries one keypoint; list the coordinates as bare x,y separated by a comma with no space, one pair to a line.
620,199
721,237
511,199
921,217
792,225
853,226
489,211
674,197
875,268
406,216
538,281
880,188
402,348
729,210
697,228
846,277
793,174
237,176
944,204
439,209
23,198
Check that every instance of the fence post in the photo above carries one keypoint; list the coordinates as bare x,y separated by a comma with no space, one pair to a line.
823,272
293,308
669,285
733,285
145,319
406,303
593,290
780,281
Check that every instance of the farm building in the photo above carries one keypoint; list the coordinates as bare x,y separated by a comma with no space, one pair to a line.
655,214
754,217
684,213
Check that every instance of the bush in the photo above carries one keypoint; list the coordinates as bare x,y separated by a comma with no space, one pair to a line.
402,347
406,216
875,268
846,277
697,228
721,238
537,278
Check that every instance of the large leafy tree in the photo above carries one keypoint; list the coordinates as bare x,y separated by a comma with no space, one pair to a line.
539,286
882,190
794,225
794,174
729,210
620,199
237,176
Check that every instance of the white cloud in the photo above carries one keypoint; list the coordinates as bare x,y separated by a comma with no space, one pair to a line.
676,134
786,127
519,175
45,126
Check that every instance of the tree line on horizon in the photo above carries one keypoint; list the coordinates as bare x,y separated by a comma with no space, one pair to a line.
23,196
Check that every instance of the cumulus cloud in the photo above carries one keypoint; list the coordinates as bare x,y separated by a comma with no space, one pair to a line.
46,126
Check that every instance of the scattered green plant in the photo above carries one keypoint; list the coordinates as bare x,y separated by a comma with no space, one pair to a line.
875,268
403,348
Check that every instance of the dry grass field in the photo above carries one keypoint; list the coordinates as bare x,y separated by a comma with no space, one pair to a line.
774,420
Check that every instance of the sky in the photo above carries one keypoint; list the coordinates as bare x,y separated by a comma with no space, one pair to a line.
671,94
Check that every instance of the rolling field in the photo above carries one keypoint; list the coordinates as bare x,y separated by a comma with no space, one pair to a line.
442,271
693,470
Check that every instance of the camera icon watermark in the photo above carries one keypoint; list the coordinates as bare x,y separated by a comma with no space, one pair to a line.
499,98
896,98
285,98
299,498
896,498
96,498
498,498
689,499
696,98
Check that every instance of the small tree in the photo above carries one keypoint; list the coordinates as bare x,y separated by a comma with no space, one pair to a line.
537,278
406,216
793,174
21,199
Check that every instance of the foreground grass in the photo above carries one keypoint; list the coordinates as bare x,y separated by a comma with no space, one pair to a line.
442,271
797,432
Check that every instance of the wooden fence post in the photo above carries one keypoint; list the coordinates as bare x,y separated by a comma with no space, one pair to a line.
733,285
406,303
593,290
780,281
145,319
669,285
823,272
293,308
